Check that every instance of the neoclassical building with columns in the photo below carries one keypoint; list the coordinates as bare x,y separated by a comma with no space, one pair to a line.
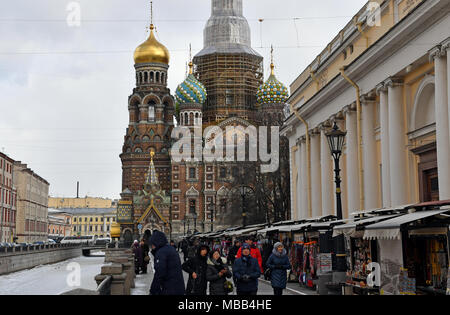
384,79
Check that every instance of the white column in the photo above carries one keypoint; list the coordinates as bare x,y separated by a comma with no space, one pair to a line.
316,175
385,165
446,51
326,175
399,195
303,182
352,161
295,178
369,146
299,180
442,121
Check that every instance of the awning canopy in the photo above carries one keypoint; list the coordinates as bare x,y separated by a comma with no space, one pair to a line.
271,229
328,224
349,229
390,229
243,232
293,228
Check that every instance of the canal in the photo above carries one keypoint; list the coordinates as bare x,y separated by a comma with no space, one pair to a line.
54,279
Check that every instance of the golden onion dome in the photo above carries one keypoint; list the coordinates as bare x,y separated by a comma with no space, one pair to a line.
151,51
115,230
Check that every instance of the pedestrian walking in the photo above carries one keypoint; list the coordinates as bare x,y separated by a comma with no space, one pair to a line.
145,255
138,257
246,272
254,252
279,264
217,273
193,248
184,249
233,252
196,268
168,276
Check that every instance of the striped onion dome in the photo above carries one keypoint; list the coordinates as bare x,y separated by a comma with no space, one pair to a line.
272,91
191,90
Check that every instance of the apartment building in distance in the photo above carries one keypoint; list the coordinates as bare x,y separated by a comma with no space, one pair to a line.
32,204
8,200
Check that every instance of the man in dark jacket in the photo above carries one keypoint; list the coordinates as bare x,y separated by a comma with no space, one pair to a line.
196,268
233,252
254,252
246,272
168,278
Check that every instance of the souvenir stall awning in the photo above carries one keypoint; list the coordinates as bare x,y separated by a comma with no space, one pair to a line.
328,224
349,229
293,228
243,232
390,229
271,229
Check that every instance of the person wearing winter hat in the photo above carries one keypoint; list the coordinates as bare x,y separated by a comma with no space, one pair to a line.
246,272
254,252
278,263
168,276
217,273
196,268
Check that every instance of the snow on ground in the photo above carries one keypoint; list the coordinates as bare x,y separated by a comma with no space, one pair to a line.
52,279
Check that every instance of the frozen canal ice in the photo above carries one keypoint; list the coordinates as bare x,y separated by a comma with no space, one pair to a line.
52,279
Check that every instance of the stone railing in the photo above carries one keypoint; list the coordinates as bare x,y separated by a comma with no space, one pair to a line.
30,248
116,276
119,265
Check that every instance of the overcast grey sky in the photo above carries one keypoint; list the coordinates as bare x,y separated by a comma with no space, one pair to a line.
64,90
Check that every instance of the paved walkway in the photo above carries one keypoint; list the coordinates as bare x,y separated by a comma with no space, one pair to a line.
143,282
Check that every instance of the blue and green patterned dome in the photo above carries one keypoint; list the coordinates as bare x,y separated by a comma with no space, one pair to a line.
272,91
190,91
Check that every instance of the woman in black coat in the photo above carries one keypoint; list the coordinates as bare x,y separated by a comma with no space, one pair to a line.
196,268
217,274
138,257
278,263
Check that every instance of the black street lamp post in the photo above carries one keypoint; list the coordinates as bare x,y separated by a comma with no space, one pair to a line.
336,139
211,211
195,222
244,191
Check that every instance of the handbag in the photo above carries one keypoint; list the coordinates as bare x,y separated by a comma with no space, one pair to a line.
147,258
268,274
228,286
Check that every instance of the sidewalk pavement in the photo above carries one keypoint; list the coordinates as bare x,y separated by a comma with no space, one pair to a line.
143,282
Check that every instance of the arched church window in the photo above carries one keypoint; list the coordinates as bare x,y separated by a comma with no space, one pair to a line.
157,77
140,77
162,78
145,77
152,76
151,111
138,150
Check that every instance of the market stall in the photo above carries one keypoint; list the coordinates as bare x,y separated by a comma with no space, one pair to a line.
423,236
360,253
